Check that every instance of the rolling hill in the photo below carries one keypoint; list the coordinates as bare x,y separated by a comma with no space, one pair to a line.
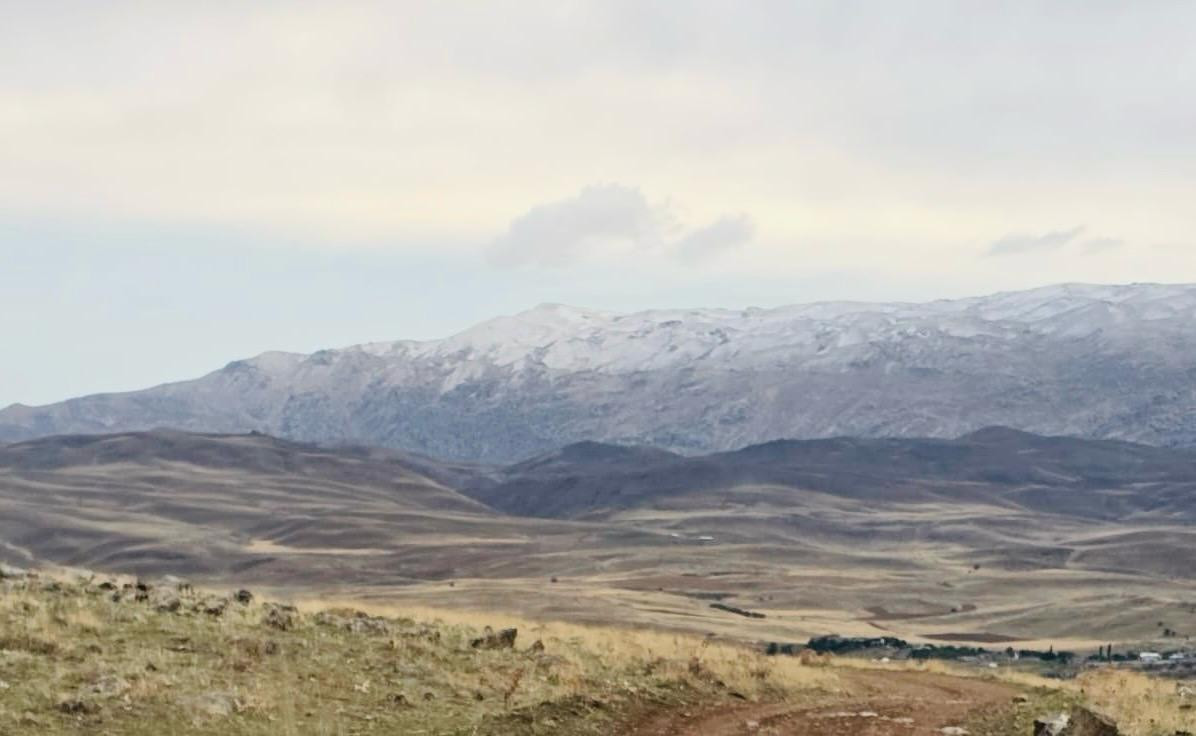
999,533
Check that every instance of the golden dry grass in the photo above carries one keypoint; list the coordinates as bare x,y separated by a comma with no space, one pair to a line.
73,660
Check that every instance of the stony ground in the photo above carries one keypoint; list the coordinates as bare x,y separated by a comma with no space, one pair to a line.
109,656
117,658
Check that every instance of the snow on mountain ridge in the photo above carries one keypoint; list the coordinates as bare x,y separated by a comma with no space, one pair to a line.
1095,361
571,339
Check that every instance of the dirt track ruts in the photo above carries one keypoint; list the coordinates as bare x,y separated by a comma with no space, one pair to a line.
881,703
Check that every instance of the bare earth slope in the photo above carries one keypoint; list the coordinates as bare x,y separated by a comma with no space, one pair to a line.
1092,361
996,536
249,506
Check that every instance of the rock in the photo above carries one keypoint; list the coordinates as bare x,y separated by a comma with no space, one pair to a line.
1051,726
751,725
357,622
536,647
504,639
212,605
78,706
1085,722
12,571
953,731
1021,699
280,616
175,583
397,699
369,625
165,600
211,704
244,597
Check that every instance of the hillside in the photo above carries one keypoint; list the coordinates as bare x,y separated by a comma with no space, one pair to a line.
1090,361
250,505
81,653
997,534
1004,468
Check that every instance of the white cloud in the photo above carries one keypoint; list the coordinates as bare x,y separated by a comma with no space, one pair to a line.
611,220
1023,243
725,233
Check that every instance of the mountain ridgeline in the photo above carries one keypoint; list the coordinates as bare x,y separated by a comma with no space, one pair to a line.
1089,361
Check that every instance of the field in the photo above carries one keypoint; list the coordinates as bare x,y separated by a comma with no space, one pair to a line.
87,656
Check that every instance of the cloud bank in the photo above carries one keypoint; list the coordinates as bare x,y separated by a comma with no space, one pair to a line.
1022,244
611,220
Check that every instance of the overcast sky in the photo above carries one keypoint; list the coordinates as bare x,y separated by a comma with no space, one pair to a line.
183,184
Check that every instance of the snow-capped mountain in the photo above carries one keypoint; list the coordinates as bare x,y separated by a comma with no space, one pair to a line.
1095,361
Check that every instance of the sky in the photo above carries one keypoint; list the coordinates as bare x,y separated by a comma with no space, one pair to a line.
183,184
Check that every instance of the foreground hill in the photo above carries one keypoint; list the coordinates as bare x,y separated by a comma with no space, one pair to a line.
94,654
1093,361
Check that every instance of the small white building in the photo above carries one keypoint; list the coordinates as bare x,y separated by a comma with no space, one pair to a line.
1150,657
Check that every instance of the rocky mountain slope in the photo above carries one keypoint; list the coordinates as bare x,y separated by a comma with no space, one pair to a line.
1092,361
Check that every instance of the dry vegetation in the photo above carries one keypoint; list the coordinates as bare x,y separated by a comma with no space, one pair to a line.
74,660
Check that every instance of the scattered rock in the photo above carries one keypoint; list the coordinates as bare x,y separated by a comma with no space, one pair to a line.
12,571
212,605
164,600
953,731
280,616
211,704
751,725
356,622
504,639
78,706
1085,722
1051,726
175,583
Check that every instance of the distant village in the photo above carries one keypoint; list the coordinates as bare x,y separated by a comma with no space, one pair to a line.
1177,662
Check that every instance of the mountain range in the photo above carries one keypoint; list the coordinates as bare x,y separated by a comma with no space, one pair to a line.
1081,360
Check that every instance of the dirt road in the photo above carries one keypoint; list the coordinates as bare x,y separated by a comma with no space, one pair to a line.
881,704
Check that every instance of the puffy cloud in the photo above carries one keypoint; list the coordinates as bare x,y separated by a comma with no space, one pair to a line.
610,219
723,234
1023,243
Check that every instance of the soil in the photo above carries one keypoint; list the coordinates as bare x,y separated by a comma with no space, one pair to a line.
882,704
